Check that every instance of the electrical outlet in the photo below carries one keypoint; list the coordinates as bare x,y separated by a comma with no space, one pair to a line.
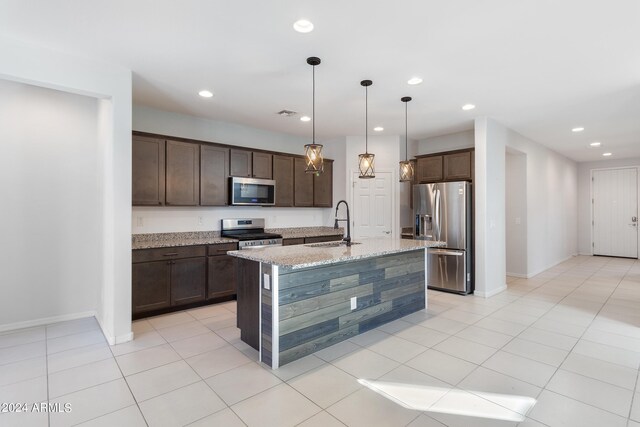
200,220
139,221
266,281
518,221
354,303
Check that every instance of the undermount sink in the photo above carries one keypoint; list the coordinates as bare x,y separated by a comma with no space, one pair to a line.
330,244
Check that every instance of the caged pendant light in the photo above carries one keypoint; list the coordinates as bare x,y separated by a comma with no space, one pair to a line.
406,167
313,151
366,160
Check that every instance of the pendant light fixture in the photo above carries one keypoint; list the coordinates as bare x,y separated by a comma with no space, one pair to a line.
366,160
313,151
406,167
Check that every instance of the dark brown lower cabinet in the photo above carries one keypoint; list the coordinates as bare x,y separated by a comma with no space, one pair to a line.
173,278
188,280
319,239
222,276
249,302
293,241
151,286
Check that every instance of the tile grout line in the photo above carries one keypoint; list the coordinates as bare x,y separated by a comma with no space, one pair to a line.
46,366
570,351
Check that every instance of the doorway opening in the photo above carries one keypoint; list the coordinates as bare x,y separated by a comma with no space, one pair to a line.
516,213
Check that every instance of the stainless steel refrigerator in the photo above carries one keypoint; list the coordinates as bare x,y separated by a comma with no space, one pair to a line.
442,211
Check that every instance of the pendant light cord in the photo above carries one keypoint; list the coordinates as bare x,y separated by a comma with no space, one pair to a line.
366,119
313,107
406,126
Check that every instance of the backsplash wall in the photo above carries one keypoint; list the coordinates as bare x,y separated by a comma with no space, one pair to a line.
175,219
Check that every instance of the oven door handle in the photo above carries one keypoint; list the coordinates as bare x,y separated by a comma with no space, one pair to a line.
256,247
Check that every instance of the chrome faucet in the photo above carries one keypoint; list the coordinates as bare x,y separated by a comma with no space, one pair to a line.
346,239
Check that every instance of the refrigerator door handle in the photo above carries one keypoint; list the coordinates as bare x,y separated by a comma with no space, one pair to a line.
439,213
442,252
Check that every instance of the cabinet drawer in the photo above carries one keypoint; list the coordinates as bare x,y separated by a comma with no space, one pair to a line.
158,254
221,249
319,239
294,241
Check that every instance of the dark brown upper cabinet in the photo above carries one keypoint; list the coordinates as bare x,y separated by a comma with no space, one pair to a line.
429,169
303,184
252,164
148,171
323,187
262,165
183,174
240,163
445,166
214,170
457,166
283,176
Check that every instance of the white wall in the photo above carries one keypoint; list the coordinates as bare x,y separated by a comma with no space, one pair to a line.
110,85
171,219
448,142
551,205
516,213
48,179
584,197
490,143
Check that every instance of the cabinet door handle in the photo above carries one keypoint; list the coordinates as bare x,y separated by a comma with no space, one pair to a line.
171,254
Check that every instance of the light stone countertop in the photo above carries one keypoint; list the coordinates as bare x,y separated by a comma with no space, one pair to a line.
167,240
194,238
305,256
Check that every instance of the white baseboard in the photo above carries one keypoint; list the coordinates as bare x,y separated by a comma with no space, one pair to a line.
490,293
520,275
530,275
46,321
111,339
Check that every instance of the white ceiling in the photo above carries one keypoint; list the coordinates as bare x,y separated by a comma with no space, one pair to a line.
540,67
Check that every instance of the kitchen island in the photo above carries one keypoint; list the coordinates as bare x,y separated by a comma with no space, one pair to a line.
295,300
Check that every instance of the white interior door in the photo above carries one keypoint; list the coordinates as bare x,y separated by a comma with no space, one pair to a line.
372,205
615,212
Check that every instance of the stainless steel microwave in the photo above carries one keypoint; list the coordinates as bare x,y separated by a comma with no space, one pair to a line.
252,192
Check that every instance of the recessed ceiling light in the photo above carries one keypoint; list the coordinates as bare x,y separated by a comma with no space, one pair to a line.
305,119
205,93
595,144
606,154
467,107
414,81
378,128
578,129
303,26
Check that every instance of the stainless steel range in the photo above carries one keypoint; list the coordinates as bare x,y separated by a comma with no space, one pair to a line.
249,232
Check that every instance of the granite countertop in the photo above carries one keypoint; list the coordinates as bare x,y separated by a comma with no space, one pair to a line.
304,256
299,232
194,238
166,240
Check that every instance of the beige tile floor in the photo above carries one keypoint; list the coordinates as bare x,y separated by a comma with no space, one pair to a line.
568,338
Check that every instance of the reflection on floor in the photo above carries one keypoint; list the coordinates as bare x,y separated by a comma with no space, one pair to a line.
567,339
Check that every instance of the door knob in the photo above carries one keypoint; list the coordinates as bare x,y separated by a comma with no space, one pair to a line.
634,219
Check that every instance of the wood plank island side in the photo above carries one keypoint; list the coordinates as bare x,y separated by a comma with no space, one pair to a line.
289,312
